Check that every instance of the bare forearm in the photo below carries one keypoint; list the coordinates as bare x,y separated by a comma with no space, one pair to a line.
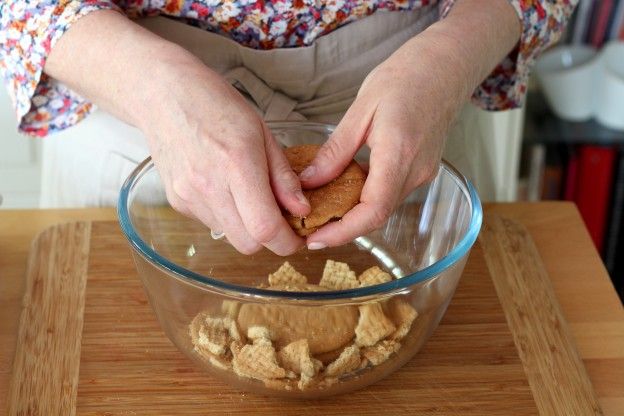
112,61
483,33
458,52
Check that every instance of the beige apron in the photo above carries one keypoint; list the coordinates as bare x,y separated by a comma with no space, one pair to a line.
87,164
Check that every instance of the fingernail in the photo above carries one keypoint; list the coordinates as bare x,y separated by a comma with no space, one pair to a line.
301,198
317,245
307,173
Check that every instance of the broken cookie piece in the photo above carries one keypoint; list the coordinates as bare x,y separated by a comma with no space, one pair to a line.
338,276
287,275
330,201
402,315
258,361
296,357
295,347
373,325
381,351
210,334
373,276
348,360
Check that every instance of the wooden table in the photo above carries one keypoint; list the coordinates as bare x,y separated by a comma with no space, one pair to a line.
581,283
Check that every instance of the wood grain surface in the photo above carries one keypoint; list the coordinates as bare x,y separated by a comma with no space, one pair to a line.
46,365
582,286
554,370
128,365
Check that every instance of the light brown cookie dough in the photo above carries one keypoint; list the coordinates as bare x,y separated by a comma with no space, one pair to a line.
330,201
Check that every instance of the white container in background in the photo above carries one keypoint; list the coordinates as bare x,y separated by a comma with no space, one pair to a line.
609,102
567,76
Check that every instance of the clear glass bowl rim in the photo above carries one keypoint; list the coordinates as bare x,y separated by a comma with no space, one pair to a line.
212,284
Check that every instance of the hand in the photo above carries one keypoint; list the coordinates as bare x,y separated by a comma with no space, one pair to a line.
219,162
402,112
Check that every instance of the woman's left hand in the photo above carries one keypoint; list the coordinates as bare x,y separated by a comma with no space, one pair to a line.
403,112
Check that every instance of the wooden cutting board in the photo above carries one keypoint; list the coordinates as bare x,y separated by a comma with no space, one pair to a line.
89,344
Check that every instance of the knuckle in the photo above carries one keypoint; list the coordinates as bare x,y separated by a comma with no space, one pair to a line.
380,215
248,248
264,231
331,150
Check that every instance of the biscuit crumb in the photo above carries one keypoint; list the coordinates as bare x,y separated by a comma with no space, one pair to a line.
296,357
380,352
372,326
373,276
258,333
312,339
213,335
402,315
258,361
348,360
287,275
338,276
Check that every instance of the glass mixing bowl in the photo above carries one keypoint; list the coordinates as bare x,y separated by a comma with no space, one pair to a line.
216,307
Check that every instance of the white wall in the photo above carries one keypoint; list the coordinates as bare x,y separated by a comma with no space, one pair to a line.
20,157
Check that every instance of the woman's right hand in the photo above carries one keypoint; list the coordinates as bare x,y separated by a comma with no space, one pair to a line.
218,160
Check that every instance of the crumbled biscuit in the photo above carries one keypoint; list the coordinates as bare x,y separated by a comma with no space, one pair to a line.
348,360
208,335
195,325
338,276
372,326
255,333
373,276
381,351
287,275
213,335
402,315
309,337
296,357
257,361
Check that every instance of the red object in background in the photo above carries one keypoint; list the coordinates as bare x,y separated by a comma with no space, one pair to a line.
571,175
593,188
602,21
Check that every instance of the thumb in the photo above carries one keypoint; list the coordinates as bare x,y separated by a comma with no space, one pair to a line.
338,151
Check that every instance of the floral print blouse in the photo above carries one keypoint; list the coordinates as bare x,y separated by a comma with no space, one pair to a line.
30,28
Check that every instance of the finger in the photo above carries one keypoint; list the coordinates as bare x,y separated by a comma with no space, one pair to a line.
258,209
284,182
381,192
223,217
338,151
